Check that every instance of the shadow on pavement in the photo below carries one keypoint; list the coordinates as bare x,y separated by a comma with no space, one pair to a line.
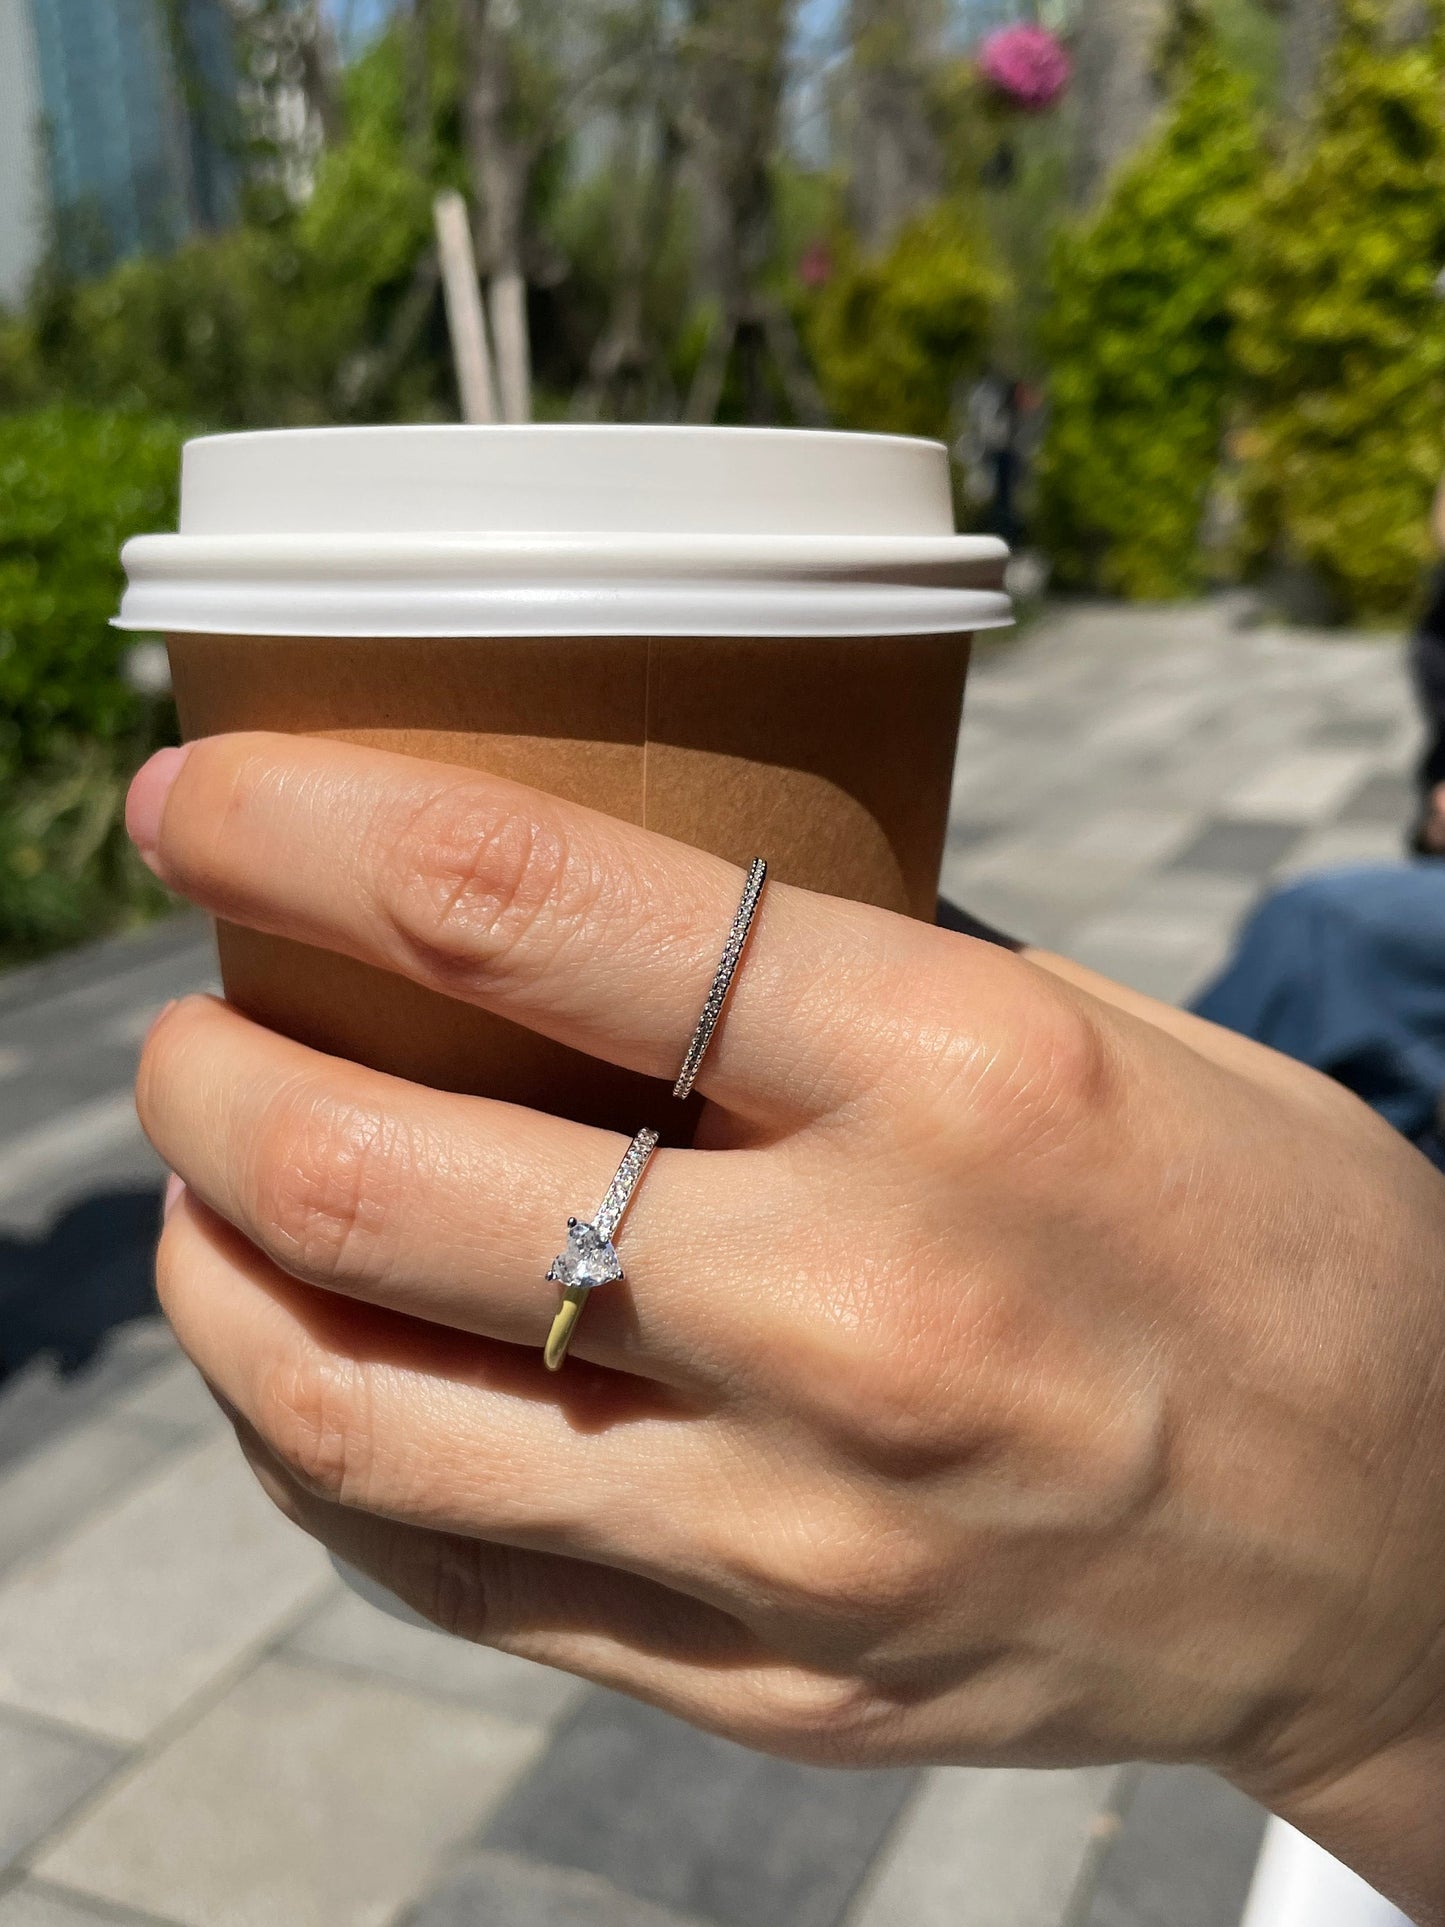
63,1294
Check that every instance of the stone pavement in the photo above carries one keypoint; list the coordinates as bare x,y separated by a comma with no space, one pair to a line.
200,1728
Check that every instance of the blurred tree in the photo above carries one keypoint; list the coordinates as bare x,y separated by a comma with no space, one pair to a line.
1138,340
75,483
893,335
1310,29
732,74
290,89
507,118
1119,85
626,368
897,163
1341,328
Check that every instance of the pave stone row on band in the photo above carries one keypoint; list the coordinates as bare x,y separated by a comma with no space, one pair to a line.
590,1258
723,978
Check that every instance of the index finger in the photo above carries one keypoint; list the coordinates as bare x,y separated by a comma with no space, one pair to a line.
591,931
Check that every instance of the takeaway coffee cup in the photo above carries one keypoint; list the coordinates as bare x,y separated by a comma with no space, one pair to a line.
753,640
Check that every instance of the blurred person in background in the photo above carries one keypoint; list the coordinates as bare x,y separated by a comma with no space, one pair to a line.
1345,970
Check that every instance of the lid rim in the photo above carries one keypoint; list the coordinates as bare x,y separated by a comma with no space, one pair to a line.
701,609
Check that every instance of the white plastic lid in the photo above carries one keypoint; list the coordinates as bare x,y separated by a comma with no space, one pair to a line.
563,530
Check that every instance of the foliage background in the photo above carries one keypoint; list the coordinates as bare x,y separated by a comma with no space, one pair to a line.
1138,342
1340,332
1247,316
75,482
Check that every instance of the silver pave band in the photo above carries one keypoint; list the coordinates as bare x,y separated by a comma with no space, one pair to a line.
590,1258
722,981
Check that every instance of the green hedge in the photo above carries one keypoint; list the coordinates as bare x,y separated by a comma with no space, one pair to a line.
74,483
891,337
1341,336
1137,340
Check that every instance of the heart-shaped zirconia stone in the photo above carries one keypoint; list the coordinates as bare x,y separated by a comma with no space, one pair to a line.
588,1260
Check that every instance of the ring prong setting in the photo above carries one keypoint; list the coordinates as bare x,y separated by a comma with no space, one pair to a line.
589,1260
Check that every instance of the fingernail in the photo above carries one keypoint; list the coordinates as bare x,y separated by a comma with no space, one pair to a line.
174,1187
146,802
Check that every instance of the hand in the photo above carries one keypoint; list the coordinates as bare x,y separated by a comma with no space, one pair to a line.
1004,1378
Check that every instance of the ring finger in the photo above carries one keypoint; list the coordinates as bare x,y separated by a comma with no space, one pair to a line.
443,1207
385,1414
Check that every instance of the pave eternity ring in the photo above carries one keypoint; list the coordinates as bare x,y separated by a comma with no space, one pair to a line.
723,977
591,1258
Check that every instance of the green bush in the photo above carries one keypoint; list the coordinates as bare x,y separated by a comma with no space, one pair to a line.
892,337
299,314
1341,337
1137,336
74,483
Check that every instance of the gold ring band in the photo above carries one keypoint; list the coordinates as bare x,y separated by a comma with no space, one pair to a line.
590,1258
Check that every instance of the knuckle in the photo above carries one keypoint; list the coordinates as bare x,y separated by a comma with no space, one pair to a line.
821,1718
857,1571
896,1395
326,1177
1050,1076
464,884
313,1415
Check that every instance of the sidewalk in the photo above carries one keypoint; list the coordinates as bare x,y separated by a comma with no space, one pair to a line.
200,1728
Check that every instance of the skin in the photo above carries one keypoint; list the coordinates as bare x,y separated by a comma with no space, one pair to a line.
1017,1370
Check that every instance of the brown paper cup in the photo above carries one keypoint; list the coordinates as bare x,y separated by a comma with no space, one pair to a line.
830,756
751,640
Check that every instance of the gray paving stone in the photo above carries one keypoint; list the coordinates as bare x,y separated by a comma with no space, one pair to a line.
1129,952
47,1396
46,1495
45,1772
116,1628
1009,907
512,1892
992,1848
301,1798
1238,849
1354,732
697,1824
1132,837
1183,1857
347,1632
1342,845
36,1904
176,1403
1383,798
969,834
1062,883
1304,788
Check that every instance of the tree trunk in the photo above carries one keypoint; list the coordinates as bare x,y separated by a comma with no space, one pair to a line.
1118,86
897,163
418,28
319,66
1309,32
500,156
619,369
734,59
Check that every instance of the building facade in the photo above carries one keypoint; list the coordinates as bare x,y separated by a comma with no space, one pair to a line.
114,130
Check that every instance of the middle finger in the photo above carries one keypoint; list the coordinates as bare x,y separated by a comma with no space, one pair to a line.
446,1208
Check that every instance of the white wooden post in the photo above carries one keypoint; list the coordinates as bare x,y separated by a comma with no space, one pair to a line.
466,323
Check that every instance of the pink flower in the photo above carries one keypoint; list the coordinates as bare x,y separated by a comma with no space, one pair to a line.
815,269
1026,64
